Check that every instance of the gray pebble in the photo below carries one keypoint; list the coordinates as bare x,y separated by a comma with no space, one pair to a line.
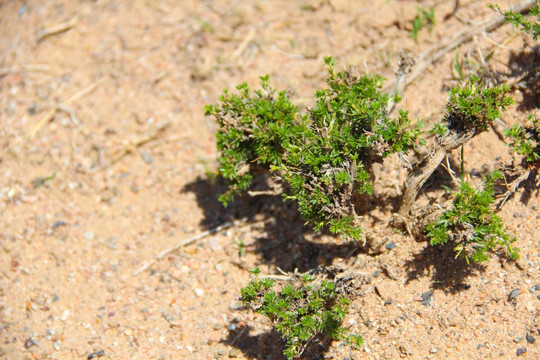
514,293
521,351
147,157
530,338
89,235
427,297
390,245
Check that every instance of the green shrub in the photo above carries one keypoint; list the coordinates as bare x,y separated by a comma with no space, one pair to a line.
471,224
523,21
300,312
324,157
526,139
255,128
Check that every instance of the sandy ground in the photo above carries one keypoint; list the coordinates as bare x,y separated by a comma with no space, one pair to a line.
104,157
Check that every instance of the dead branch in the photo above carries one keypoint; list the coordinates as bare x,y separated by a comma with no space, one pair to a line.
427,166
437,51
132,144
183,243
50,115
58,28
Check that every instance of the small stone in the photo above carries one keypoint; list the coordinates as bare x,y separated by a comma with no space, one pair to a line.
535,288
433,350
376,273
521,351
89,235
199,292
55,297
514,293
56,345
530,338
65,315
147,157
112,243
28,343
32,109
234,352
58,224
388,301
390,245
426,297
518,339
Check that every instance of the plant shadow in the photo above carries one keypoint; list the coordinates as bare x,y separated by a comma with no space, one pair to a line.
524,64
447,273
286,244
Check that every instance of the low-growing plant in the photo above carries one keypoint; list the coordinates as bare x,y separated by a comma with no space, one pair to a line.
255,129
324,157
526,140
301,312
471,224
422,19
523,22
470,110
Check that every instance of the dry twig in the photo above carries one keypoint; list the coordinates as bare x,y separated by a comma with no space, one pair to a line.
133,144
437,51
58,28
64,104
183,243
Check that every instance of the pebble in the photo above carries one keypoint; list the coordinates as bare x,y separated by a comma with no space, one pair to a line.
89,235
234,352
530,338
514,293
56,345
390,245
535,288
112,243
28,343
199,292
521,351
65,315
147,157
426,297
58,224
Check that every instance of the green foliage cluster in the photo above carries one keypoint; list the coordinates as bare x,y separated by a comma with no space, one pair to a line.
325,157
422,19
474,108
300,313
472,225
255,128
526,139
523,21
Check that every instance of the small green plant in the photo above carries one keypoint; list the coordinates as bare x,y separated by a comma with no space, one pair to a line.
471,224
255,129
422,19
526,139
324,157
301,312
521,21
470,110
